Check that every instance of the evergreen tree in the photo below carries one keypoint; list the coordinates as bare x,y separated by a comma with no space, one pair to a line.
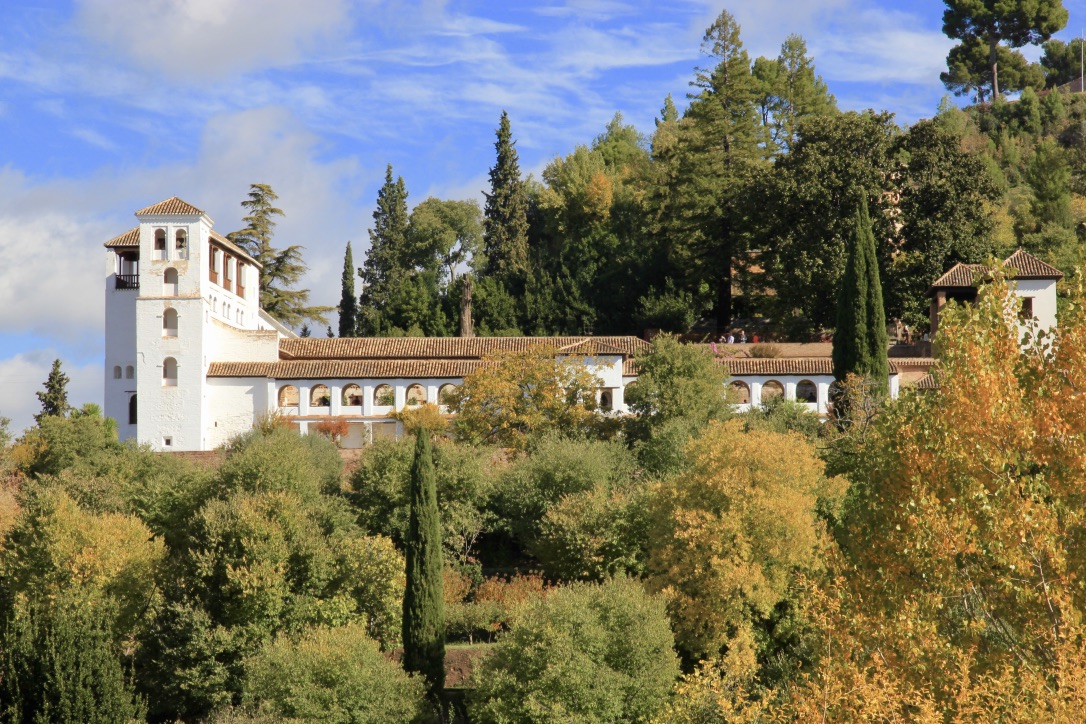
57,665
859,341
54,400
986,25
348,302
503,269
384,266
423,606
281,268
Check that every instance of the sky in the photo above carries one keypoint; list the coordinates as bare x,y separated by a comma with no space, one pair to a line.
107,106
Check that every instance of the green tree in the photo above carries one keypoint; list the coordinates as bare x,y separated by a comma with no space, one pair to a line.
721,151
808,219
789,90
59,664
423,602
970,72
570,656
348,302
385,266
859,339
503,265
54,400
947,199
992,23
1049,175
1062,62
335,675
281,269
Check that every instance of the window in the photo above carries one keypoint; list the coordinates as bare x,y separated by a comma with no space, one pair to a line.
132,410
352,396
288,396
606,400
1025,311
129,372
169,372
416,395
169,282
117,372
444,395
806,391
167,441
771,390
181,244
160,244
169,323
319,396
741,393
383,396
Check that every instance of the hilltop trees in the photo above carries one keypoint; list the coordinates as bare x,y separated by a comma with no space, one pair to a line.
985,25
281,269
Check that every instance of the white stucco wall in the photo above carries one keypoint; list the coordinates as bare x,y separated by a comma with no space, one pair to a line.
235,403
1043,293
120,345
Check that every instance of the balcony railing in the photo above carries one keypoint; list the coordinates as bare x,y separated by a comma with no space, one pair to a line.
128,281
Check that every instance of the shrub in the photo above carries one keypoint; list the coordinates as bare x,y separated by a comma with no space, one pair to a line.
491,607
335,429
572,656
765,350
281,461
331,675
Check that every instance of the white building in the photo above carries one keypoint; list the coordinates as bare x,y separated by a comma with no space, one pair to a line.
192,360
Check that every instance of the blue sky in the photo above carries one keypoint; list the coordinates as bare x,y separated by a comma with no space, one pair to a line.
109,105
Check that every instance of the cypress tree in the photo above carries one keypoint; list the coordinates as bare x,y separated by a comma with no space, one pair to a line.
423,607
54,400
505,228
859,341
348,303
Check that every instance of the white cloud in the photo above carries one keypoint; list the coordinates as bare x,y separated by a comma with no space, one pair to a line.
198,39
25,374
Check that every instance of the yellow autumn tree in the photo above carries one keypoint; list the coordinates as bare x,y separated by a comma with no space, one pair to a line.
729,534
516,396
960,591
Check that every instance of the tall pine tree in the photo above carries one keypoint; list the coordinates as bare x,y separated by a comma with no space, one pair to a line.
503,269
384,264
348,302
423,602
54,400
281,268
859,341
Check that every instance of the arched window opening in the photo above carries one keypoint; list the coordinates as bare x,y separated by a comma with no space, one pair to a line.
741,392
416,395
352,396
384,396
771,390
169,323
169,372
169,282
288,396
181,243
117,372
445,394
129,372
160,244
606,400
806,391
319,396
132,410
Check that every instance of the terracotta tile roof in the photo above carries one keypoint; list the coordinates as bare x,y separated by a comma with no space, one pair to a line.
913,361
127,239
959,275
629,367
783,366
927,382
1030,267
447,348
234,248
1026,266
170,206
346,370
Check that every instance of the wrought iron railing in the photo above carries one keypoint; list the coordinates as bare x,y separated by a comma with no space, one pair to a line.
128,281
